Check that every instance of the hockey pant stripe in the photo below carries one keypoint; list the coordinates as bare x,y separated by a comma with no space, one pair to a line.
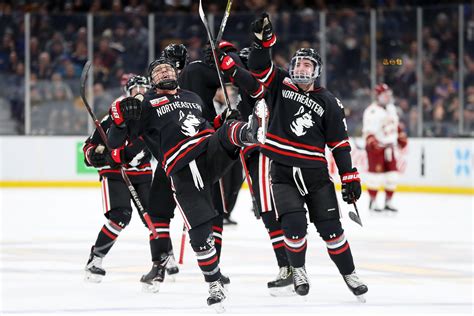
105,195
264,183
185,220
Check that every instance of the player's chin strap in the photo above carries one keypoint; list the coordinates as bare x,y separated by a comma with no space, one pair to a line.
198,183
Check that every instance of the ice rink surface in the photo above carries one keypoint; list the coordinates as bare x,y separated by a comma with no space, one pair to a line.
419,261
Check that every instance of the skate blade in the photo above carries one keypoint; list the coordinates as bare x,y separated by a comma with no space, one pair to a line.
218,307
93,278
151,288
288,290
361,298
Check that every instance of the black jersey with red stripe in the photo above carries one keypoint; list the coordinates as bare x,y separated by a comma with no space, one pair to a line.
173,128
301,123
135,153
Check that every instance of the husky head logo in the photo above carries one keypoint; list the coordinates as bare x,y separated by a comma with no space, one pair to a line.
301,122
137,159
189,123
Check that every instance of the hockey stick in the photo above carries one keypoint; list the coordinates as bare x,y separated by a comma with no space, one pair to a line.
224,22
355,216
226,97
101,131
181,248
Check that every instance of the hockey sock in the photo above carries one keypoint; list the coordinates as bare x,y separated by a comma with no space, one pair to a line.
294,227
162,243
372,194
217,228
237,133
202,242
388,195
106,238
276,237
337,245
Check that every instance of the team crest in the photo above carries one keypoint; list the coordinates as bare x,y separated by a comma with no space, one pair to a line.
301,122
189,123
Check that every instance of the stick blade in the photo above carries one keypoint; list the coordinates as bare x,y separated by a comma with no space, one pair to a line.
355,218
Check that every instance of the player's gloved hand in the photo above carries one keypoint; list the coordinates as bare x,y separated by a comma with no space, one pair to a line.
263,31
96,156
226,64
227,114
223,46
127,109
116,157
402,139
351,188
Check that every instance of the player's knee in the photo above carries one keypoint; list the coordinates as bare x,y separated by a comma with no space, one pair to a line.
294,224
120,216
270,221
201,237
391,179
329,229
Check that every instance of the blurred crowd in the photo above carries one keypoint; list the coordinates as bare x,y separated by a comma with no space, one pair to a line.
59,49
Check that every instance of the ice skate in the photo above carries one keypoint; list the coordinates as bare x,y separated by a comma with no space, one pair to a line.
357,287
94,270
153,279
225,279
258,123
283,284
389,207
373,207
300,281
172,268
216,296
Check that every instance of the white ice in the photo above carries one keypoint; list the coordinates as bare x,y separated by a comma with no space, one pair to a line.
419,261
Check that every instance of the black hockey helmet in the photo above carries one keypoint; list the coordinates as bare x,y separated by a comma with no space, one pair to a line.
136,81
168,84
177,53
312,55
244,54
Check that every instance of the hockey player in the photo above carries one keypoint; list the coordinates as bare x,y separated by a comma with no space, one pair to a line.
193,155
115,195
304,118
382,133
201,77
162,202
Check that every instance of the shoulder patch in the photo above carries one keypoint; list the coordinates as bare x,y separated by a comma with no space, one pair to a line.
159,102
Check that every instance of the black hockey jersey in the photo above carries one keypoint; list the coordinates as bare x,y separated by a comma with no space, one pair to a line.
301,123
136,153
173,128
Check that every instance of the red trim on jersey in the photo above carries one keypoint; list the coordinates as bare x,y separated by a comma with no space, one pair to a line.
332,144
269,80
180,156
131,173
292,143
178,145
341,250
262,73
291,154
207,263
247,148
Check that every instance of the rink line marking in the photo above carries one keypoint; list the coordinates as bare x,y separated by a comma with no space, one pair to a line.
93,184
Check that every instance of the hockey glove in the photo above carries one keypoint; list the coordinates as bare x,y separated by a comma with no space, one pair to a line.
263,32
227,64
351,188
96,156
231,114
116,157
223,46
125,110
